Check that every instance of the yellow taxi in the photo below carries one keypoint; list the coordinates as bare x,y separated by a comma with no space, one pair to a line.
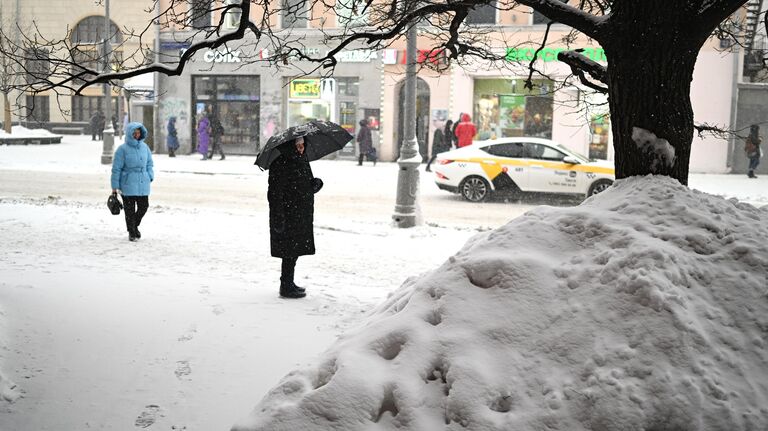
520,165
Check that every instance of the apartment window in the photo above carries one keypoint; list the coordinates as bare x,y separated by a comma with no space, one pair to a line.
200,13
349,13
90,30
83,107
38,109
539,18
482,14
294,13
232,20
37,65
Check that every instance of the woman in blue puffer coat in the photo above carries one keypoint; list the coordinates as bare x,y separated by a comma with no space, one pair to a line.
131,175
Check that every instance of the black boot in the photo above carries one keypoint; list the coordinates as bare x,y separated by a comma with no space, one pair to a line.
751,174
288,288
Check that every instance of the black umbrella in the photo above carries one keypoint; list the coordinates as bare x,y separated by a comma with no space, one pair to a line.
320,139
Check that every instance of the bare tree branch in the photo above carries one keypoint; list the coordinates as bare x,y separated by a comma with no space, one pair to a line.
585,22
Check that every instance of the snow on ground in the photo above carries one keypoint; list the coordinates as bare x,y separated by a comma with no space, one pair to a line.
188,320
23,132
185,329
645,308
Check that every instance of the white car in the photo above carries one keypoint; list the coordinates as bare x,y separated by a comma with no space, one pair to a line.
520,165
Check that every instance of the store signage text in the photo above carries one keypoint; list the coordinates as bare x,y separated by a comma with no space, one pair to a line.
305,89
222,57
356,56
550,54
434,56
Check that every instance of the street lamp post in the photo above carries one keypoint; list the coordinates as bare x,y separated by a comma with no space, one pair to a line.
407,212
109,132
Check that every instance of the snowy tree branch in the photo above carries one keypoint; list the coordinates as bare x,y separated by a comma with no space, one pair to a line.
579,19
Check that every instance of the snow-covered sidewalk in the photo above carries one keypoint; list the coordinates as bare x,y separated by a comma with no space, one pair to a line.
97,330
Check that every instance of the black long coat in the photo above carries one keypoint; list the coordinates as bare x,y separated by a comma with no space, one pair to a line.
291,204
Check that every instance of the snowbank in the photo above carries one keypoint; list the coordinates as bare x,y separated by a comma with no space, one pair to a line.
23,132
644,308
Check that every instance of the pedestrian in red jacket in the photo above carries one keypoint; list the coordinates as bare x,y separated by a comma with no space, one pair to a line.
465,131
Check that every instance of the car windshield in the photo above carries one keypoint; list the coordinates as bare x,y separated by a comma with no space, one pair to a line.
573,153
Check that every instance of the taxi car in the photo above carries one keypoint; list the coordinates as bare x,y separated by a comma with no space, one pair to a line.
520,165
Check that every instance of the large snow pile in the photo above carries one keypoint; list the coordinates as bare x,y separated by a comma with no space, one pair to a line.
645,308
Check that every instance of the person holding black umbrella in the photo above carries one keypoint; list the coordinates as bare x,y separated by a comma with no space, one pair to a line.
291,191
291,211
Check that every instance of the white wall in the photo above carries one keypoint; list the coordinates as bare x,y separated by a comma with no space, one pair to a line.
711,92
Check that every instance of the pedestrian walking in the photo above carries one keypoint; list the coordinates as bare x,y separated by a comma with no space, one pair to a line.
172,140
97,126
465,131
365,144
217,131
752,149
132,173
441,142
203,136
291,210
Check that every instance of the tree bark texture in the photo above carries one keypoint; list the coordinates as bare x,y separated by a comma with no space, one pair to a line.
6,113
650,69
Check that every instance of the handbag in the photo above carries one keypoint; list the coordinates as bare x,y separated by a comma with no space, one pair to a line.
114,204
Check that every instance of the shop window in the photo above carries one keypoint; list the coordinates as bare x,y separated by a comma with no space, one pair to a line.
543,152
505,108
348,86
599,127
349,13
232,19
236,100
199,14
512,150
482,14
294,14
38,109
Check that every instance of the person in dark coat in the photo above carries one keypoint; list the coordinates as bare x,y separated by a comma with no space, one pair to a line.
172,140
365,143
440,142
291,211
217,131
97,125
132,174
752,149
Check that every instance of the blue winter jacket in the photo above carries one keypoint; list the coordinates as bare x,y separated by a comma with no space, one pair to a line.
132,166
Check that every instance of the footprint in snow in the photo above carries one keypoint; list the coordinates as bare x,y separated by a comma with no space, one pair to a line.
148,416
182,369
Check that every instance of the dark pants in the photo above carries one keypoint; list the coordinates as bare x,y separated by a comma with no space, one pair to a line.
135,208
753,162
288,269
216,145
431,159
371,156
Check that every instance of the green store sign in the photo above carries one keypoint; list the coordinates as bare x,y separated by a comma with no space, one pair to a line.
550,54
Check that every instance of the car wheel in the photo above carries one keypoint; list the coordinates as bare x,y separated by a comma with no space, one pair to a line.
474,189
599,186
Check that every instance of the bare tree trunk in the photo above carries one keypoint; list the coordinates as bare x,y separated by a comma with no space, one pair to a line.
7,113
650,69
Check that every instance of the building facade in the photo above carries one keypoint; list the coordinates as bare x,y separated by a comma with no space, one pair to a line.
82,24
